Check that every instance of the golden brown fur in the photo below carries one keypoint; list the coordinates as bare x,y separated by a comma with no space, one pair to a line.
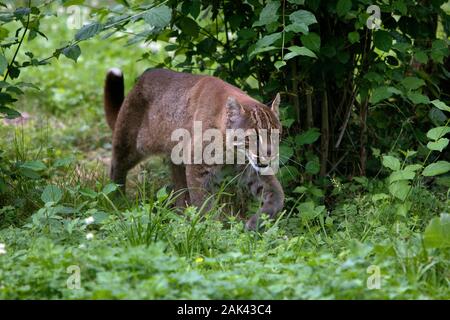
163,101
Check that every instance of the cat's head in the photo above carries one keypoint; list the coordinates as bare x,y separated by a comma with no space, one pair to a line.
262,128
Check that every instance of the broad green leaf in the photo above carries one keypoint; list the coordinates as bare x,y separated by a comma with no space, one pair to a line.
301,19
68,3
440,105
343,6
299,51
312,167
89,193
403,208
3,64
111,187
401,175
437,133
158,17
413,167
268,14
261,50
51,193
437,233
353,37
391,163
421,57
286,152
412,83
380,93
10,113
307,137
72,52
436,168
309,211
311,41
88,31
400,189
438,145
418,98
380,196
162,194
268,40
189,26
279,64
34,165
382,40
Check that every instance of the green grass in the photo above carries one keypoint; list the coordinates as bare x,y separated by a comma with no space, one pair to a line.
141,248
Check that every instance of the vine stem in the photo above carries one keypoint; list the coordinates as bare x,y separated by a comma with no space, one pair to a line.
283,33
19,45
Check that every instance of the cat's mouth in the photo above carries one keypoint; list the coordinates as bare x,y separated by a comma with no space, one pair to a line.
256,164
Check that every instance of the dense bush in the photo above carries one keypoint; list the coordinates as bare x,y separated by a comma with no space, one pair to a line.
364,151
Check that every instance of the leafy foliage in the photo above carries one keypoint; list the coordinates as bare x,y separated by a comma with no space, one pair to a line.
365,116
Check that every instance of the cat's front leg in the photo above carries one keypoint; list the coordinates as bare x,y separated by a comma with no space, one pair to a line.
272,199
199,179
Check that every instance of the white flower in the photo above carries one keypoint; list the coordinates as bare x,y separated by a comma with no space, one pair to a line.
2,248
89,220
90,236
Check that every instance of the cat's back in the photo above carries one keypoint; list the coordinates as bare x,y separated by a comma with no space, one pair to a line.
167,84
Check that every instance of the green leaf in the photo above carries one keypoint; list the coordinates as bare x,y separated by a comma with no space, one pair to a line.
111,187
279,64
88,31
440,105
307,137
10,113
51,193
437,233
34,165
353,37
380,94
162,194
309,211
72,52
413,167
189,26
68,3
391,163
268,40
421,57
299,51
312,167
264,44
400,189
158,17
268,14
401,175
438,145
418,98
436,168
286,152
311,41
88,193
301,20
3,64
412,83
437,133
343,6
382,40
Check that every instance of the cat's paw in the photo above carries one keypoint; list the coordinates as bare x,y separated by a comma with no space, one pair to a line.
253,223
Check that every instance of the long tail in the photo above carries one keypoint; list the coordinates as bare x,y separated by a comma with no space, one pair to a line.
113,95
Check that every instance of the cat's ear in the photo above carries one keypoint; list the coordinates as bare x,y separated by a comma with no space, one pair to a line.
234,108
275,107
